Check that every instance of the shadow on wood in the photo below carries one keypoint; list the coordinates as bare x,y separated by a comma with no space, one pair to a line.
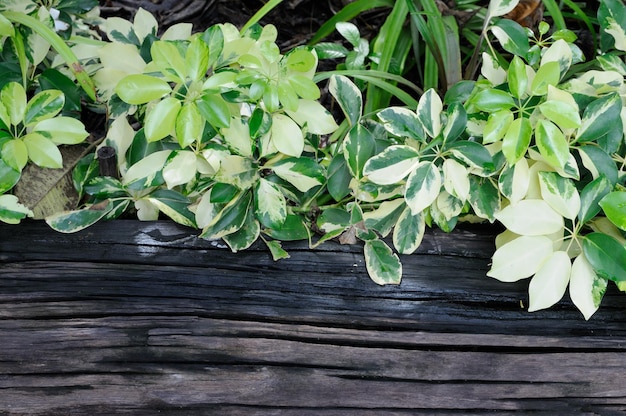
145,318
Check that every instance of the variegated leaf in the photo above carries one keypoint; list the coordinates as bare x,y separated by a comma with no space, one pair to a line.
423,186
560,193
383,265
409,232
586,289
270,205
429,111
391,165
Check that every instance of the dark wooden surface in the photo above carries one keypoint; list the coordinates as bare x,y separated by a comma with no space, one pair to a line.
145,319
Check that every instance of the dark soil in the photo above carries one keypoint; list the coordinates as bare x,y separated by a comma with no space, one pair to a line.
296,20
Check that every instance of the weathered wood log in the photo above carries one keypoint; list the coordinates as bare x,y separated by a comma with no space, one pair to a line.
145,318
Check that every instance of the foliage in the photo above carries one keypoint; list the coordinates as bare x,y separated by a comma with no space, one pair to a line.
222,131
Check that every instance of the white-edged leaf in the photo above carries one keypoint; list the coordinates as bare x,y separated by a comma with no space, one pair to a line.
348,97
520,258
423,186
303,173
391,165
456,179
548,285
383,265
429,111
530,217
409,232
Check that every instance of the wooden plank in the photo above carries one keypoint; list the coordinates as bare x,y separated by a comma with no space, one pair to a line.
144,318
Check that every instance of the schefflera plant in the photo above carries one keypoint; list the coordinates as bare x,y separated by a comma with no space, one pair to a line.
400,170
229,134
31,131
562,182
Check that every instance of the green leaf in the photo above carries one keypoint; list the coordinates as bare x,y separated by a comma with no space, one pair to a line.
229,219
303,173
8,176
402,122
598,162
215,110
105,187
197,59
174,205
409,232
491,100
11,211
292,229
270,205
73,221
606,255
474,154
43,105
531,217
552,144
15,154
391,165
168,59
614,207
516,140
590,198
189,125
520,258
276,250
560,193
497,125
339,178
517,77
547,74
422,187
348,97
429,111
140,89
13,96
358,147
561,113
245,236
160,120
599,114
42,151
586,289
383,265
549,284
62,130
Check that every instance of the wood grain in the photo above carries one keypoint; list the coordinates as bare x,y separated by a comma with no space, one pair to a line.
145,318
